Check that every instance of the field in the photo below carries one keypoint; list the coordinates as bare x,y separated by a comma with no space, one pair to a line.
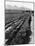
9,14
13,15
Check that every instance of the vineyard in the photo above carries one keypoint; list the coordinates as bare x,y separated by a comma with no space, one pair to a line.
17,27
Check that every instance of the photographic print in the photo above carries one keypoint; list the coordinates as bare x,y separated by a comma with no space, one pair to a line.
19,22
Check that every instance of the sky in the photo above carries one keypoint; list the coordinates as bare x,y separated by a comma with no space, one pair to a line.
21,0
20,4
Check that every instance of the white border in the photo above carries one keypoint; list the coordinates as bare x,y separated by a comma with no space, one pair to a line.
1,22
